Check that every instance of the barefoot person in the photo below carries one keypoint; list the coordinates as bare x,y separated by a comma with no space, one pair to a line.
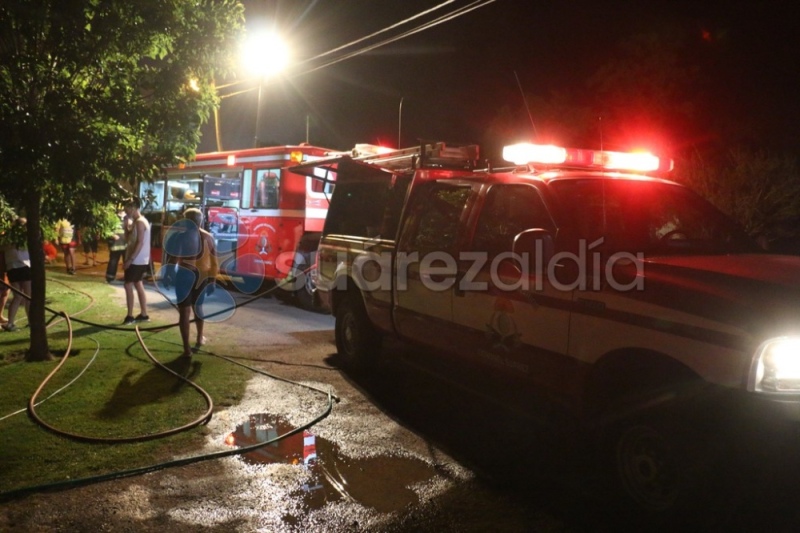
192,249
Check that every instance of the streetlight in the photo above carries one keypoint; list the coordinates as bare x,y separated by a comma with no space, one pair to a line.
264,54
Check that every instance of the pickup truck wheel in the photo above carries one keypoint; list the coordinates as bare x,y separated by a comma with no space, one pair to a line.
648,467
357,340
665,468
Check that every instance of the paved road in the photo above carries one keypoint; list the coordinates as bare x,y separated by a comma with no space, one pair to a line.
406,448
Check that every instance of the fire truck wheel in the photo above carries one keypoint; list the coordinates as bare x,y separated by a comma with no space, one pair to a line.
357,340
307,295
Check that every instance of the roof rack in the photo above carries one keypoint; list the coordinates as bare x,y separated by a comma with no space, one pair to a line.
426,155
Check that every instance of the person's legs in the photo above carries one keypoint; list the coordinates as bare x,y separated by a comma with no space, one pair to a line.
142,297
14,305
3,299
113,264
25,287
65,251
200,323
72,258
129,297
184,322
199,316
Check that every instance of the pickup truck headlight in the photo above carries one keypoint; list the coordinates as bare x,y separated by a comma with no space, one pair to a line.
776,366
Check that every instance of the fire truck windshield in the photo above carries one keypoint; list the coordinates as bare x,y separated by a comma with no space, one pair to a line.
648,216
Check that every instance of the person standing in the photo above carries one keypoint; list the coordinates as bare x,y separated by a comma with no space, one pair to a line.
137,261
4,285
18,263
68,242
192,249
116,246
90,240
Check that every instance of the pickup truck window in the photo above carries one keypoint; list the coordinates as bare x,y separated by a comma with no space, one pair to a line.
508,210
368,209
648,216
433,225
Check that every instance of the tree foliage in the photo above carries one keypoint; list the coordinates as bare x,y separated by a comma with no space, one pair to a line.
758,189
98,92
649,92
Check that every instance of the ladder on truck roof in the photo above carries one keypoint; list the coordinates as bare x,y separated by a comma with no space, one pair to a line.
426,155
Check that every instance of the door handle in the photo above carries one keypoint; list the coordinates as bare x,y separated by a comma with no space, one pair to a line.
591,305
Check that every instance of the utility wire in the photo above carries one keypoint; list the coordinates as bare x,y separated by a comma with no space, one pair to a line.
395,25
425,26
445,18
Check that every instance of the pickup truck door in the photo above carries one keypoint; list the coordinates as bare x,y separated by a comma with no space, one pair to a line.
426,265
510,321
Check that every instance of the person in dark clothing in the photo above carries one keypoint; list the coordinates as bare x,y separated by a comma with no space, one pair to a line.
117,242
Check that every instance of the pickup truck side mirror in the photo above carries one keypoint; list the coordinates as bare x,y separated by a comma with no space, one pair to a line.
536,243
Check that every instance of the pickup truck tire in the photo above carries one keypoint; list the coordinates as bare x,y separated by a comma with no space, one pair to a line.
665,469
357,340
649,465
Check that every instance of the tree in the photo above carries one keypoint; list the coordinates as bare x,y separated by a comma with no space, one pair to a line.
94,92
759,190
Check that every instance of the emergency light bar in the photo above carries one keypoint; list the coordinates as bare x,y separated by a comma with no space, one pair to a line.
362,150
545,154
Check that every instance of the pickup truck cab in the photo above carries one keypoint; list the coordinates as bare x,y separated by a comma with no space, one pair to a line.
625,299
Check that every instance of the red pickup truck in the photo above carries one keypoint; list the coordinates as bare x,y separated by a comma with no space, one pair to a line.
626,299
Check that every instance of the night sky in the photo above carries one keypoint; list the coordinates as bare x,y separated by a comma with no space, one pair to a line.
455,78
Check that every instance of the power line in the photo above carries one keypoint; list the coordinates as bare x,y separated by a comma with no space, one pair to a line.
425,26
445,18
397,24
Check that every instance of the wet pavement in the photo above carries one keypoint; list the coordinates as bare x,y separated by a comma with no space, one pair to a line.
408,447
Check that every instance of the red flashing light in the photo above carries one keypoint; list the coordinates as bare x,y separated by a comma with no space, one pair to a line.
526,153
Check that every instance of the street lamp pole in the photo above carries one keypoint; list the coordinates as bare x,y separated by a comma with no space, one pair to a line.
258,112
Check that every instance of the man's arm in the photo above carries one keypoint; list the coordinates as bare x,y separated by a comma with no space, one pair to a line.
214,261
137,247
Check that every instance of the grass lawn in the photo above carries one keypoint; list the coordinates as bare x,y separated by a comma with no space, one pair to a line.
113,390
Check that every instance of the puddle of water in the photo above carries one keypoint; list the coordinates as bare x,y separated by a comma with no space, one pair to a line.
378,482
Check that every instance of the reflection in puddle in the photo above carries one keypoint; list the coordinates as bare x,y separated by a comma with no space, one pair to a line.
378,482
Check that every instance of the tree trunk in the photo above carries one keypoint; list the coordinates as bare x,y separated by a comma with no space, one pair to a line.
39,349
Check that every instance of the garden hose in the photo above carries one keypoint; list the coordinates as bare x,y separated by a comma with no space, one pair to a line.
200,420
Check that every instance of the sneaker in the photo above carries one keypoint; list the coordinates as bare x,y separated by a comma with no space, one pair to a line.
9,327
128,321
142,318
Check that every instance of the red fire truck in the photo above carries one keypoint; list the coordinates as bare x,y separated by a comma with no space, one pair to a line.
266,220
